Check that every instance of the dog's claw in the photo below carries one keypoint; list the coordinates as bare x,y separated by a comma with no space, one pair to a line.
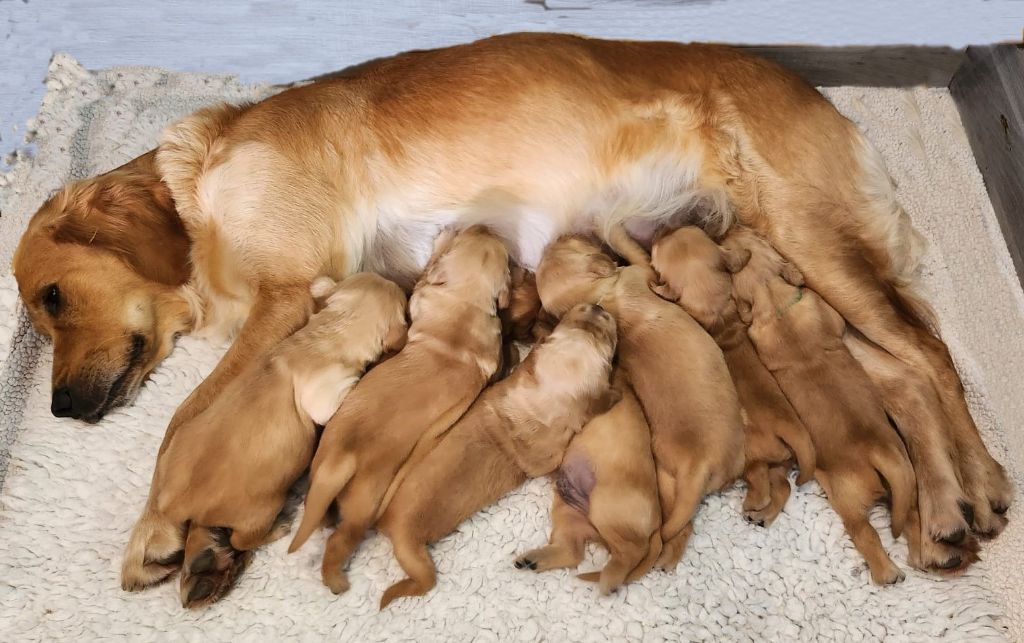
967,509
200,591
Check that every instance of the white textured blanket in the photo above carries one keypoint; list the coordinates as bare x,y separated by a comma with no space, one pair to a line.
71,492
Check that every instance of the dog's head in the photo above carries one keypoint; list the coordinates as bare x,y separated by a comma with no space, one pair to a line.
572,271
99,270
472,260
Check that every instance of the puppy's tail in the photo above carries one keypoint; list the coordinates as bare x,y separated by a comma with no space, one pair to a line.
328,481
795,435
894,465
689,492
415,560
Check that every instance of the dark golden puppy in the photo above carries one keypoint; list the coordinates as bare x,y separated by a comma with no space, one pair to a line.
606,490
231,466
518,428
799,337
675,368
454,348
697,274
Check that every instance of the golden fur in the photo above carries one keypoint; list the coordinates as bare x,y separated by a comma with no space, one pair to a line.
675,368
697,274
606,490
860,458
231,466
453,349
535,134
518,428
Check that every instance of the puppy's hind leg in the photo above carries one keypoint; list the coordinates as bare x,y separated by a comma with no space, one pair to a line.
851,496
570,532
357,506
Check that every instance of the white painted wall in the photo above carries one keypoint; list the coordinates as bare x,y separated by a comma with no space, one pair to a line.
285,40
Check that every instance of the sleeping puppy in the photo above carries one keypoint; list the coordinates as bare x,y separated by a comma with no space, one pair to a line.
454,348
799,338
697,274
606,490
230,467
518,428
676,370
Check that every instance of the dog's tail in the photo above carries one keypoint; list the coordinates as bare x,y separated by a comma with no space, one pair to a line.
328,481
894,465
795,435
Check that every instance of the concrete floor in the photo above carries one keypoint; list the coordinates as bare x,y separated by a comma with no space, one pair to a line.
287,40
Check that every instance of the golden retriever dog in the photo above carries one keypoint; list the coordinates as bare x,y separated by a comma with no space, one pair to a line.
676,370
453,349
860,457
231,466
606,490
518,428
224,227
697,274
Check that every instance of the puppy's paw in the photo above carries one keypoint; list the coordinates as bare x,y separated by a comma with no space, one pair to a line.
548,557
991,493
336,580
888,574
211,567
135,578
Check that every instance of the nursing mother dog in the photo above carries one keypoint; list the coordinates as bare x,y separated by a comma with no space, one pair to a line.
222,228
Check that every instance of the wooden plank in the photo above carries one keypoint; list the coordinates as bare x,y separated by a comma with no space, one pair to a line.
989,94
893,66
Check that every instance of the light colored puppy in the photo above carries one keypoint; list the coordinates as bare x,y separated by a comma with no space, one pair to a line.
799,337
518,428
697,274
675,368
454,348
231,466
606,490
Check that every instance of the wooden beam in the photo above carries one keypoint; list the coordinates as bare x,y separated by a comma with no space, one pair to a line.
989,94
891,66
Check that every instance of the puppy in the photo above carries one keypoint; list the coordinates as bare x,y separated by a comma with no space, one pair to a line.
606,490
518,428
676,370
231,466
454,348
697,274
799,338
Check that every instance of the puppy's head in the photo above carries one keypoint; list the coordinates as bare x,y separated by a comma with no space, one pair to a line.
768,284
99,270
572,271
370,295
687,259
472,260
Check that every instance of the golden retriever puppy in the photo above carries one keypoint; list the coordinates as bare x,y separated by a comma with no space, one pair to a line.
230,467
518,428
606,490
454,348
697,274
799,337
675,368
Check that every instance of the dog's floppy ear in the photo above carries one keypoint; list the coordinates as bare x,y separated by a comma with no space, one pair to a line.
605,401
321,392
735,259
398,332
321,289
665,291
130,213
792,274
505,295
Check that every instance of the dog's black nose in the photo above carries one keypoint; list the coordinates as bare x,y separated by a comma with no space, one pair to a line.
62,405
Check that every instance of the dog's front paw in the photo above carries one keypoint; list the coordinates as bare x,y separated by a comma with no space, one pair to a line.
211,566
137,577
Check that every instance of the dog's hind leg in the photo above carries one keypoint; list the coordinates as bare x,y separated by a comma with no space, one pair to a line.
357,507
779,491
570,532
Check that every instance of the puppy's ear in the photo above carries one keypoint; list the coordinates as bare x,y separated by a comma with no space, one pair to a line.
735,259
322,286
605,401
792,274
321,393
665,291
398,332
744,310
505,295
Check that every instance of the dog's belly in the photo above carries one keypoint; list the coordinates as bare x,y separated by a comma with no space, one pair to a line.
642,195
